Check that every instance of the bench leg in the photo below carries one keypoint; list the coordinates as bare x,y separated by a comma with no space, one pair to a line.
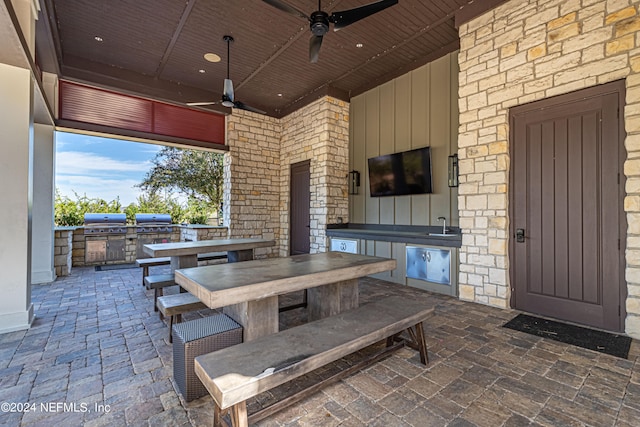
145,273
176,318
171,329
417,341
218,414
421,342
392,339
239,416
157,292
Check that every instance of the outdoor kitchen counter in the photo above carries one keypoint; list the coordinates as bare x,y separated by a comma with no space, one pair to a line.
415,235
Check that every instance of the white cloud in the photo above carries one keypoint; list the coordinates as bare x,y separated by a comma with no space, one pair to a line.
101,167
99,176
75,162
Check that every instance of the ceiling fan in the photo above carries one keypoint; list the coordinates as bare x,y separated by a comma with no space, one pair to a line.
227,91
319,20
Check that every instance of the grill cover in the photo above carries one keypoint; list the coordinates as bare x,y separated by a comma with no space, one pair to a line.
105,219
153,219
105,223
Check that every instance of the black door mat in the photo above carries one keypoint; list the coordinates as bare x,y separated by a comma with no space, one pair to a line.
603,342
115,267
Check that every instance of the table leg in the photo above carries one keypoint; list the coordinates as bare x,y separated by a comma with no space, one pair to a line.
184,261
238,256
328,300
258,318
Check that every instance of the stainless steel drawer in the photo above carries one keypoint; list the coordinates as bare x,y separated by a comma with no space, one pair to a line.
431,265
344,245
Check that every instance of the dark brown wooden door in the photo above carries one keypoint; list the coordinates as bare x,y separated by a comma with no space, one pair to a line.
299,210
566,197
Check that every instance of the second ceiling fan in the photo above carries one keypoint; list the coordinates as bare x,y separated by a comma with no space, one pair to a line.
228,99
319,20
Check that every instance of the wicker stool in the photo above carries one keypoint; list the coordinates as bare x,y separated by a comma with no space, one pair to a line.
196,337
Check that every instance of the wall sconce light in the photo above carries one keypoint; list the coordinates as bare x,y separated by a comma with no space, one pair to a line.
453,170
354,182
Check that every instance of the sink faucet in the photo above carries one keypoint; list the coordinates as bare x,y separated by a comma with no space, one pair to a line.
444,224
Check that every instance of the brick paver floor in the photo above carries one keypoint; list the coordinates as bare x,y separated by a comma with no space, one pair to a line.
97,355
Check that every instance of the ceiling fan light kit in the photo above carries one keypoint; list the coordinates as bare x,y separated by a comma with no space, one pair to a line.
228,98
319,24
319,20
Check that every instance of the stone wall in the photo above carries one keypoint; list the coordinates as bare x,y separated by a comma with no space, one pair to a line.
318,132
256,171
75,248
520,52
131,243
192,233
62,250
252,178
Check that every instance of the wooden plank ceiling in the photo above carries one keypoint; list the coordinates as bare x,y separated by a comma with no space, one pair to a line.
155,48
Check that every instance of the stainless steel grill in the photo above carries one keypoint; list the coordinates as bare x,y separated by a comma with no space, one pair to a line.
153,223
105,223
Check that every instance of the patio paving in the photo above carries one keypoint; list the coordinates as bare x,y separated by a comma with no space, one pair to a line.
98,355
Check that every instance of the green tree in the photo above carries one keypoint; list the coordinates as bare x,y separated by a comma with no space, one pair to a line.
197,211
69,212
197,174
153,202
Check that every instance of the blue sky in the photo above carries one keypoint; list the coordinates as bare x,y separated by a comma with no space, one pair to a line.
101,167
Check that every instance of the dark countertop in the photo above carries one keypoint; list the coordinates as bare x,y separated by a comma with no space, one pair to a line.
411,234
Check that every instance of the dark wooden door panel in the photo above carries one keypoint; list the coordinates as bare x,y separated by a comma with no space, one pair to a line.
566,162
300,208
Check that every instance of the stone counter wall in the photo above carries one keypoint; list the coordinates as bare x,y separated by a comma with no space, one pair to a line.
70,245
195,233
62,251
524,51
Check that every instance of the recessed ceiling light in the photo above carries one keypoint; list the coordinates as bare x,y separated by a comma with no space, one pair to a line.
98,38
359,45
212,57
280,95
201,71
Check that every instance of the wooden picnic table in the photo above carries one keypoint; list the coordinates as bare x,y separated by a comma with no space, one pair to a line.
185,254
249,291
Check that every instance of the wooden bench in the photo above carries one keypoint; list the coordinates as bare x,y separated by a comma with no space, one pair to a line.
145,263
235,374
158,282
175,306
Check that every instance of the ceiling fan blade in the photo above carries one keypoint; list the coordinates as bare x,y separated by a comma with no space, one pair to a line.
286,8
314,48
197,104
227,92
246,107
348,17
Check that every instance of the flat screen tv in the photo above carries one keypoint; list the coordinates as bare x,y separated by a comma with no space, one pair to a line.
400,174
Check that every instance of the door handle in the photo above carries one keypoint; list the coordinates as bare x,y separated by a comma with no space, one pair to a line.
520,235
